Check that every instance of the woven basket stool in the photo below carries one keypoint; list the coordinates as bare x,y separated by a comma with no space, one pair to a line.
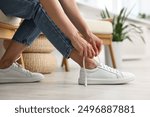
38,57
40,62
40,45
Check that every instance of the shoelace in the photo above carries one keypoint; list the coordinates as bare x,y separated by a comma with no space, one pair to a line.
22,69
108,68
85,79
100,65
17,59
85,74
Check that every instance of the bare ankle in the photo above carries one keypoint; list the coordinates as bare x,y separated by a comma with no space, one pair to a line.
5,64
90,64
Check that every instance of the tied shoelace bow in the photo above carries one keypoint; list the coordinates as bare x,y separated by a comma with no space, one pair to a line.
99,65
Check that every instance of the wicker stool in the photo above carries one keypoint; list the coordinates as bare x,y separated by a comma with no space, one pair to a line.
38,57
40,62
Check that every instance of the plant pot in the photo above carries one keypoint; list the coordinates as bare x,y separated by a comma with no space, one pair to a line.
117,54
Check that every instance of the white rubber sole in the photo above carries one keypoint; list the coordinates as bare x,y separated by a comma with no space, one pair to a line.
19,80
92,81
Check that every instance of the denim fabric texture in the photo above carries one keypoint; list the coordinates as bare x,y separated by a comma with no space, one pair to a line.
35,21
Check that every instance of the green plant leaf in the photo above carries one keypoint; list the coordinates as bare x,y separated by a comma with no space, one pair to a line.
107,12
143,39
124,16
102,13
127,37
122,30
137,27
120,15
125,27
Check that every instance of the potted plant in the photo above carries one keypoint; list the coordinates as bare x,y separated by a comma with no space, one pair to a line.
121,31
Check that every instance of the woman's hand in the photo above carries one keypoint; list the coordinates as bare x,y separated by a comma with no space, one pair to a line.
88,46
95,42
82,46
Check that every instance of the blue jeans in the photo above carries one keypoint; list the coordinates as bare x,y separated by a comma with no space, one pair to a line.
36,21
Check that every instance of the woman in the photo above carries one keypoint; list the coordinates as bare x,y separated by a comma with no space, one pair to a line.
60,21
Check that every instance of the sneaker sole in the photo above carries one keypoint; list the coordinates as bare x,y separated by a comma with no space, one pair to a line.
92,81
19,80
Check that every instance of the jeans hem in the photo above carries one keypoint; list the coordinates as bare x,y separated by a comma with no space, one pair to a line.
23,43
69,50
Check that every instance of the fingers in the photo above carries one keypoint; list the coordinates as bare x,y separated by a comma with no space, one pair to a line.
96,44
88,51
100,45
85,48
91,52
85,52
95,48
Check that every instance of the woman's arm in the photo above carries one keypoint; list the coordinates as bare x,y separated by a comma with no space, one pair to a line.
72,11
56,12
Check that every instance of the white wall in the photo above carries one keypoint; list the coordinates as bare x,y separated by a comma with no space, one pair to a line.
145,6
116,5
101,4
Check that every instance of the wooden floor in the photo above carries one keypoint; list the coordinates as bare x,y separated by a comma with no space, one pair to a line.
61,85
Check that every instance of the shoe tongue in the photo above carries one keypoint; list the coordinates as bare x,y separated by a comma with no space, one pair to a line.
97,63
18,67
100,65
15,65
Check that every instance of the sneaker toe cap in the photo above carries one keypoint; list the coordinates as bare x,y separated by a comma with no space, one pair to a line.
38,76
128,75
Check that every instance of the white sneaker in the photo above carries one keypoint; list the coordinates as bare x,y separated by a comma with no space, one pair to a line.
104,75
16,74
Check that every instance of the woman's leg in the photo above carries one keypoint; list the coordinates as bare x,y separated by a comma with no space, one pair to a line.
40,19
24,36
31,9
96,73
27,33
100,75
11,72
